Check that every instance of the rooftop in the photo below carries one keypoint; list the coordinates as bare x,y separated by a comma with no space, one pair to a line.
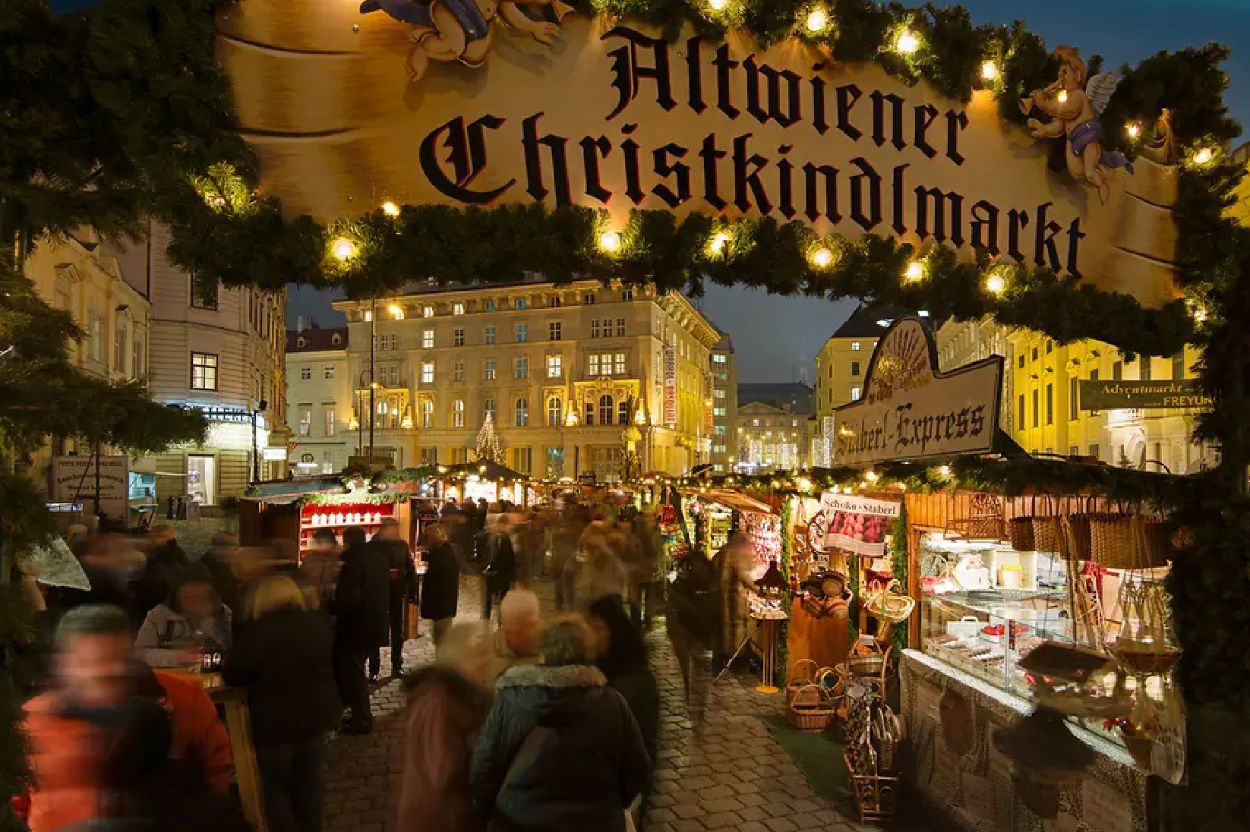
871,321
790,396
316,339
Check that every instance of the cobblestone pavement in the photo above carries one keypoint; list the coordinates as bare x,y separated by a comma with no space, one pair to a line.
730,775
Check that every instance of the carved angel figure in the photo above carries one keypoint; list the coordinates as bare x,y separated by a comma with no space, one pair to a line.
1075,106
462,30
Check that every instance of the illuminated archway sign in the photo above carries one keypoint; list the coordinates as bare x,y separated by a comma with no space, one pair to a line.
612,116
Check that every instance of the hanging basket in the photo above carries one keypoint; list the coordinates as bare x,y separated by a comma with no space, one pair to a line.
888,602
1047,532
1127,541
1020,529
983,520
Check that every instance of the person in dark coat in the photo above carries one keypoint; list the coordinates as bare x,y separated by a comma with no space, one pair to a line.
402,587
282,657
165,562
500,574
219,560
360,601
441,593
622,656
560,750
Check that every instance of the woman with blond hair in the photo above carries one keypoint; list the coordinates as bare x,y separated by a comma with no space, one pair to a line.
560,750
282,657
446,705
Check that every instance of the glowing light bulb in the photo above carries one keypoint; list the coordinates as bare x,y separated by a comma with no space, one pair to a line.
1062,97
994,284
944,471
871,476
390,209
915,271
989,71
610,241
1203,156
717,5
1199,313
718,243
1133,129
906,42
822,258
817,20
343,249
397,311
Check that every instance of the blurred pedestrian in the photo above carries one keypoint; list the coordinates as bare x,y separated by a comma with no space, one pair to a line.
650,580
193,622
219,561
560,750
402,588
500,572
692,623
440,593
283,659
735,581
320,568
604,573
621,654
110,738
360,624
447,704
564,560
165,561
520,633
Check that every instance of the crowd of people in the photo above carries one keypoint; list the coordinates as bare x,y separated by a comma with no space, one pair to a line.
522,722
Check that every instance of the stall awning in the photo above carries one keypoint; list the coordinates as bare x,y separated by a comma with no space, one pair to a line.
485,469
735,500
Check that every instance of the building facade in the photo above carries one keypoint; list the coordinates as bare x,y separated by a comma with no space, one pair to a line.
724,383
221,351
960,343
77,275
563,370
319,400
771,439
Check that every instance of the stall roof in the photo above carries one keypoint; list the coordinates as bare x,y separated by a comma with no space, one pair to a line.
735,500
288,491
487,470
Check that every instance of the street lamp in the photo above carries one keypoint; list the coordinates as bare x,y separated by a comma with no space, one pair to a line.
261,407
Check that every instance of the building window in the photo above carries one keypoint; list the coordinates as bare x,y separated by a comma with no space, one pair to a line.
457,370
1145,367
522,333
606,407
457,309
457,336
554,330
328,371
854,368
388,375
592,365
1033,354
488,369
203,296
1020,411
489,305
855,346
718,393
590,413
719,430
555,411
755,423
1074,397
203,371
718,411
596,330
1178,366
555,366
427,311
305,419
520,368
619,365
427,413
620,327
388,342
459,456
1074,450
119,344
427,339
627,295
138,355
555,462
95,333
521,412
368,314
488,334
457,413
1036,414
305,374
1093,450
1020,361
1050,404
522,303
521,458
1117,371
718,359
588,298
488,408
327,418
1050,346
622,412
427,372
855,392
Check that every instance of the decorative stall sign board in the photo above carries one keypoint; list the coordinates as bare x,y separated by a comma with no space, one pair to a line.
73,480
909,410
1142,395
670,386
525,101
857,524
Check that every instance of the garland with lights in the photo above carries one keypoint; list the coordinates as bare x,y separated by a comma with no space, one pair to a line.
785,564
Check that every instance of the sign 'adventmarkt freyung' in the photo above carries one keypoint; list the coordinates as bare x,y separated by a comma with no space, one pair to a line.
344,111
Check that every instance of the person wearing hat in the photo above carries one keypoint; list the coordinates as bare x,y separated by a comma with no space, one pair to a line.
192,621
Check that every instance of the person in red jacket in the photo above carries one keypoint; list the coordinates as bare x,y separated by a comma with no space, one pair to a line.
79,727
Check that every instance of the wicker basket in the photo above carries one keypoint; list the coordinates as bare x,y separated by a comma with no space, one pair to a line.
1127,541
1080,543
800,674
1047,531
869,665
811,709
1020,530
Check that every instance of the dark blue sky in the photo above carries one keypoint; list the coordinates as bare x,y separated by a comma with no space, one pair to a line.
1121,31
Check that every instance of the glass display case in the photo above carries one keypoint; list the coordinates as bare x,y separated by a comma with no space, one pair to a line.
984,605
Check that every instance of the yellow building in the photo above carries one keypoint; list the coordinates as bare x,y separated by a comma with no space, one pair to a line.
563,370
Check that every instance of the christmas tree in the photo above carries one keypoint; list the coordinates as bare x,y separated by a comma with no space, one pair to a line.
488,446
